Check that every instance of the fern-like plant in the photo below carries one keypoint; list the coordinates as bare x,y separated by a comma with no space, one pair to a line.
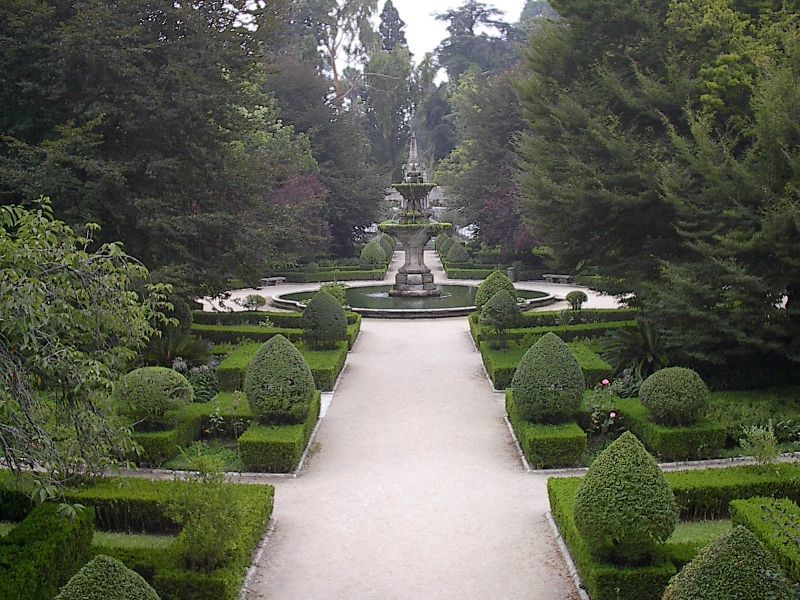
639,350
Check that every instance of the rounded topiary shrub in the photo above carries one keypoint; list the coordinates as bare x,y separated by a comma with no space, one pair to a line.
440,240
624,506
148,394
445,246
675,396
734,567
495,282
324,321
548,383
501,312
105,578
457,254
386,244
372,256
576,299
278,383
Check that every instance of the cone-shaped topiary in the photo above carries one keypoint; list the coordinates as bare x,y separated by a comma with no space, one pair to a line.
734,567
457,254
105,578
372,256
440,240
548,383
278,384
495,282
501,312
445,246
624,506
386,244
675,396
324,321
148,393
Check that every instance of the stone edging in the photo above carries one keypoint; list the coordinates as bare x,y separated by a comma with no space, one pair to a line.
258,553
562,547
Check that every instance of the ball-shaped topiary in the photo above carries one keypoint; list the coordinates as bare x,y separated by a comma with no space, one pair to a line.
457,254
278,383
734,567
372,256
624,506
501,312
576,298
445,246
495,282
386,245
105,578
149,393
675,396
324,321
548,383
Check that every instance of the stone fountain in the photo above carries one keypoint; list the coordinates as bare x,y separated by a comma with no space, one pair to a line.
413,228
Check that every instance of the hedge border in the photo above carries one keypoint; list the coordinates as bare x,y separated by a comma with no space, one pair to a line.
774,521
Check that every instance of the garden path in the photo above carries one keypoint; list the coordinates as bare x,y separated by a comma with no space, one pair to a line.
414,488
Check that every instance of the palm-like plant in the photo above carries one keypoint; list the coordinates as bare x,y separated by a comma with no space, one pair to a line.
640,350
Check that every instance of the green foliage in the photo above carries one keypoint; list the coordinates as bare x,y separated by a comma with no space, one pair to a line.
776,523
547,446
40,554
337,290
372,255
457,254
491,285
104,578
174,343
278,384
253,302
548,382
639,350
674,396
624,507
501,312
738,410
324,321
387,244
71,321
204,382
576,299
760,443
149,393
736,567
444,246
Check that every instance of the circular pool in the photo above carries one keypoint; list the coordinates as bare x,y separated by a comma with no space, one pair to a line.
374,301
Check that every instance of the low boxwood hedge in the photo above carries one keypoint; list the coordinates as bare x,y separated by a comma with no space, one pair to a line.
325,365
235,333
40,554
547,446
701,494
702,440
334,275
158,447
502,363
277,449
776,523
565,332
289,320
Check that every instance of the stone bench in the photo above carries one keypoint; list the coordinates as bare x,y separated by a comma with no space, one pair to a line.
270,281
555,278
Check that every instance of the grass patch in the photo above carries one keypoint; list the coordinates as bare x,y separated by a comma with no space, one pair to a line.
199,453
699,532
132,540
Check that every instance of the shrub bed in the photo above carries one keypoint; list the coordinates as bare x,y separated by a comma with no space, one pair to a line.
232,328
502,363
527,335
334,275
40,554
158,447
234,334
776,523
325,365
547,446
702,440
288,320
271,449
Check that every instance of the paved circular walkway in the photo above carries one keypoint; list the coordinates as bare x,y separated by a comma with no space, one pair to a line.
414,488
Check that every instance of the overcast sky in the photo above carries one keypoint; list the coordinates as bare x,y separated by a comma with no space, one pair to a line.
424,32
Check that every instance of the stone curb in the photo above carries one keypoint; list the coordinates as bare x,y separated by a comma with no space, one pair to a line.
562,547
258,553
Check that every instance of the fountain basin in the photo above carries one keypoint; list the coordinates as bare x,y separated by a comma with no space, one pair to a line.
375,301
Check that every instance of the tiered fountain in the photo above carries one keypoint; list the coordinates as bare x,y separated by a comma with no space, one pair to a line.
413,229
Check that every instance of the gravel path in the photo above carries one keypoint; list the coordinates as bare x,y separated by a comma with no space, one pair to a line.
414,488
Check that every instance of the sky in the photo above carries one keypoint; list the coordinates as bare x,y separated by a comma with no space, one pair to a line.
424,32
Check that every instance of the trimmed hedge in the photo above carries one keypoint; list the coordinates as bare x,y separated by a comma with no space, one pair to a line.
148,393
674,396
334,275
701,440
603,580
277,449
287,320
325,365
158,447
372,255
565,332
105,578
495,282
776,523
243,332
324,321
501,364
40,554
547,446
